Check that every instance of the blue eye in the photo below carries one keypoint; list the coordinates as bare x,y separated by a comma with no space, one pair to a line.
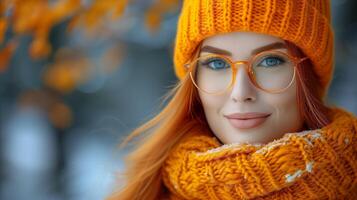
271,61
216,63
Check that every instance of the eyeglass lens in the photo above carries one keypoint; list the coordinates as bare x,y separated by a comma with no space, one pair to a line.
270,71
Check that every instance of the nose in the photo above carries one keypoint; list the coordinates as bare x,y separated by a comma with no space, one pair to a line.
243,89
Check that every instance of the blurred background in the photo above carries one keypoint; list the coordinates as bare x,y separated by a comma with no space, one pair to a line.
76,76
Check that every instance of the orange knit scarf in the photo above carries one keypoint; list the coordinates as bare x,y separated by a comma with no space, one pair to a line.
314,164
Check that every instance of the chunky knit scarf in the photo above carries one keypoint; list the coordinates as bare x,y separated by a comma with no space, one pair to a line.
313,164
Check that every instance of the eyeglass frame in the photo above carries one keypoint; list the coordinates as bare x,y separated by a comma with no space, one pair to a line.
248,66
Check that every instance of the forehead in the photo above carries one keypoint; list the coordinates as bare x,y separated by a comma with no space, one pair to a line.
240,43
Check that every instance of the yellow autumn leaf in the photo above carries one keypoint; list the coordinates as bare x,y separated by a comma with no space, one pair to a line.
60,79
120,8
60,115
27,15
39,48
153,19
64,9
5,55
3,27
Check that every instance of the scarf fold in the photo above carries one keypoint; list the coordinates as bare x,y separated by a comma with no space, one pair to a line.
312,164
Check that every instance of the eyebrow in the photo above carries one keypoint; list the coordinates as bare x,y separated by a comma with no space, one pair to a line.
275,45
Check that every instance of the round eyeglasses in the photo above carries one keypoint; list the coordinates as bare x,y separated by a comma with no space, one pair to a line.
272,71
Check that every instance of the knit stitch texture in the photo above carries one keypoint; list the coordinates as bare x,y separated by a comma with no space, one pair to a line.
313,164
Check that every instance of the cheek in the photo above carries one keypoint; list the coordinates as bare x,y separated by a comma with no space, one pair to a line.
285,108
212,105
283,100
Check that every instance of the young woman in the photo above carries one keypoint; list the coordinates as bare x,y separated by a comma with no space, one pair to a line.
248,120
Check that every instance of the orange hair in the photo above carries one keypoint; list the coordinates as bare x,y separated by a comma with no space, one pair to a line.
142,174
182,113
309,92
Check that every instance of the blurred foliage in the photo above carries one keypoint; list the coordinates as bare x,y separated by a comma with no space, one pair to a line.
71,66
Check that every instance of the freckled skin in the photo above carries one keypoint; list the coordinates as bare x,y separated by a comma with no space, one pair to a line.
245,97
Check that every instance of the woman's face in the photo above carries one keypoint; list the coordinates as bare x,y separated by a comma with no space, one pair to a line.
261,116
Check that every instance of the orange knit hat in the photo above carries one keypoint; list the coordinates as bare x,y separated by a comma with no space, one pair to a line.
306,23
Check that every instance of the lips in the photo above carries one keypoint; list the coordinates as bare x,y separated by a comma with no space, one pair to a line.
247,120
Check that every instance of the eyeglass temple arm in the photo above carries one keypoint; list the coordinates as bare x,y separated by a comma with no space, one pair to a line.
302,59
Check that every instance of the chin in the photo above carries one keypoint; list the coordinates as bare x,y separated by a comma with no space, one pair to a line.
247,136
